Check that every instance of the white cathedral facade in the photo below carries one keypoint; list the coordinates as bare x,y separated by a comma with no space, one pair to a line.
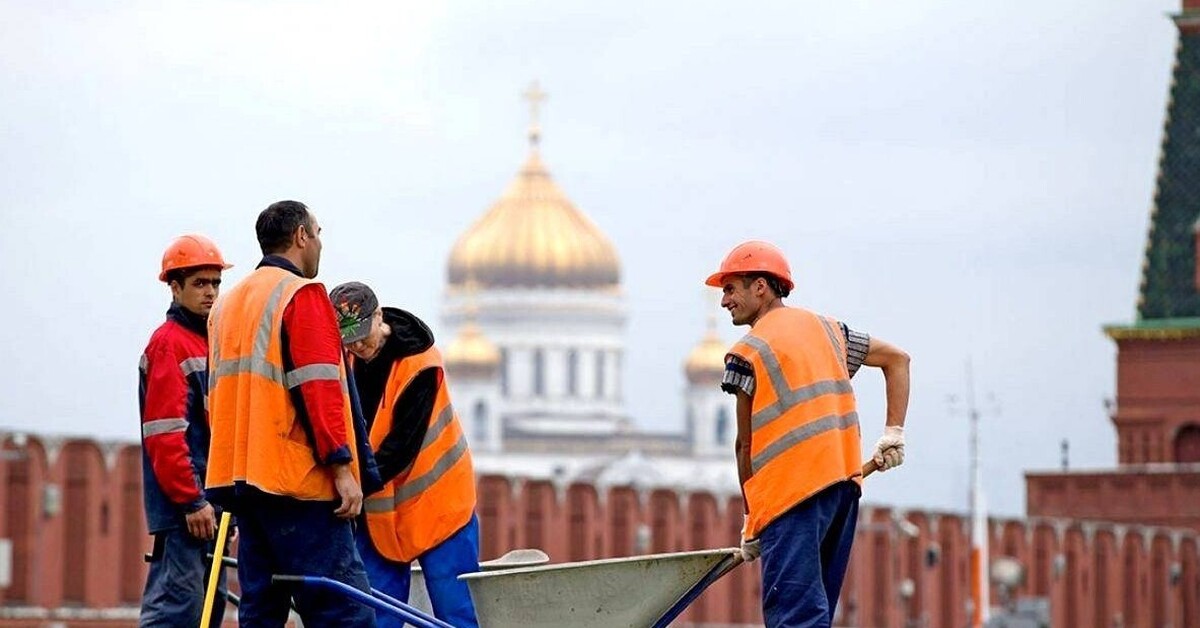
535,365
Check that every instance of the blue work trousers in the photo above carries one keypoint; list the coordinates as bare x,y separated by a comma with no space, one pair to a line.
283,536
805,553
177,582
440,566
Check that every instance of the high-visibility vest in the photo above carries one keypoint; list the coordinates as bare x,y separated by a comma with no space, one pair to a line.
435,496
256,437
804,427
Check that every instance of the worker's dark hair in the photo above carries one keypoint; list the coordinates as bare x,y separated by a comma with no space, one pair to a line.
773,283
277,223
181,274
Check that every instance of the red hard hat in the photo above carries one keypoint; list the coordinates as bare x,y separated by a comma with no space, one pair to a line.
191,251
754,256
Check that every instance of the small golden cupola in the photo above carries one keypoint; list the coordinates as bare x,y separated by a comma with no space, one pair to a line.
534,237
705,365
471,354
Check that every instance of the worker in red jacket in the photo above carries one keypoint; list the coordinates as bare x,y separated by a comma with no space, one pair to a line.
173,383
285,455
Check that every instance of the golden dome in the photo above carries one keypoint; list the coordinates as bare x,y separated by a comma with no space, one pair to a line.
706,362
534,236
472,351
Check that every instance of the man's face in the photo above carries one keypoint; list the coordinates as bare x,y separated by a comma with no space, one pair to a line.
309,240
368,348
743,299
198,291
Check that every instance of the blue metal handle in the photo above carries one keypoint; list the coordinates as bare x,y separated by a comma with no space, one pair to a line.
391,605
391,600
725,566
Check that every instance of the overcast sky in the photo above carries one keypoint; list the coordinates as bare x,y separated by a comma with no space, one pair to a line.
968,180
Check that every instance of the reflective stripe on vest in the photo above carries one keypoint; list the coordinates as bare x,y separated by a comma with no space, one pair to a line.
804,425
256,437
433,498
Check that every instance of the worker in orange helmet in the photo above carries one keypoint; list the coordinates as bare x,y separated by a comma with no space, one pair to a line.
798,441
173,383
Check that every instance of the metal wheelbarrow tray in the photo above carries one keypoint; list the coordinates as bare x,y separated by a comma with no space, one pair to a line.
638,591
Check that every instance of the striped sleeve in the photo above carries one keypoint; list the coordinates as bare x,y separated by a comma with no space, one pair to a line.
857,344
739,375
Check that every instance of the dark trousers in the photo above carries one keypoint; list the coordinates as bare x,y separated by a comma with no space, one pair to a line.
177,582
283,536
805,553
440,566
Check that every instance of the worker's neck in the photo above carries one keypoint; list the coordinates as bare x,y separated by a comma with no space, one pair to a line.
773,304
293,256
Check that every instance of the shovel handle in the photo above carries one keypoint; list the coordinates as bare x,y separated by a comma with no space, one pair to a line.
215,573
869,468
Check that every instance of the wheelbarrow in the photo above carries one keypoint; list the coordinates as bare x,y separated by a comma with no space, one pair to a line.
418,611
636,591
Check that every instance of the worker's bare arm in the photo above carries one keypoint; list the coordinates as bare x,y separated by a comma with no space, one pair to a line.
742,443
895,365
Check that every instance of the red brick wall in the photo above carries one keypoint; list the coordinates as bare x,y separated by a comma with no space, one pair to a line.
1162,497
1090,572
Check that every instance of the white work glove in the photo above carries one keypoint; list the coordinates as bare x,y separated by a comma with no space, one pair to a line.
751,550
889,450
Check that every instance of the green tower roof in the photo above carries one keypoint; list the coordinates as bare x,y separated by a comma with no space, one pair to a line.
1168,288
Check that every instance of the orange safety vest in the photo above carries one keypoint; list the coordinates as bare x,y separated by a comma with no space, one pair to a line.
256,438
435,496
804,428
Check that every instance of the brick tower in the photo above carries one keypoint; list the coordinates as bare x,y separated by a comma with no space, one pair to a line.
1157,409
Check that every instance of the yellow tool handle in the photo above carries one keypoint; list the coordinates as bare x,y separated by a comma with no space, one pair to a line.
214,575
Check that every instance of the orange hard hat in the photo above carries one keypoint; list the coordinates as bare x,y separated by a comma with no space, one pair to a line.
754,256
191,251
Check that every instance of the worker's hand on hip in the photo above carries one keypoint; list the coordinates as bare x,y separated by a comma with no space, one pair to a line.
349,490
751,550
202,524
889,450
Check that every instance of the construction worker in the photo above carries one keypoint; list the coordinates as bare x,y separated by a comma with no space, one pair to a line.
426,509
283,455
798,441
172,385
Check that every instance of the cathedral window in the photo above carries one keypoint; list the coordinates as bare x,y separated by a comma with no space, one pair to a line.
722,426
617,379
504,371
572,372
481,426
600,373
539,373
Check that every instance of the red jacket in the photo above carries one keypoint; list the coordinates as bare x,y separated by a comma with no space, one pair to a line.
173,382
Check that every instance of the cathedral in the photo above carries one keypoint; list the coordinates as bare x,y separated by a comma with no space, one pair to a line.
533,289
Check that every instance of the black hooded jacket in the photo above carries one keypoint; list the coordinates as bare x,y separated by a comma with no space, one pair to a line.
410,414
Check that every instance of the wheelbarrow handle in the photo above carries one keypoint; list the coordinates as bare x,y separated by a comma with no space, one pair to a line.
726,565
391,605
869,468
